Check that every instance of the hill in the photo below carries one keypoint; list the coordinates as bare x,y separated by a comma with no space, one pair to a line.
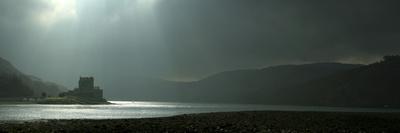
15,84
374,85
259,85
239,86
319,84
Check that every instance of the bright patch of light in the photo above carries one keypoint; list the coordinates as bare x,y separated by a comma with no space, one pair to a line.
145,5
57,10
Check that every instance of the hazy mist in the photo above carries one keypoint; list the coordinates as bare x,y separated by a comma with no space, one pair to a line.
185,40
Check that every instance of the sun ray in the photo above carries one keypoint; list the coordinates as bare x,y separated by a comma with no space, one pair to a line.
56,10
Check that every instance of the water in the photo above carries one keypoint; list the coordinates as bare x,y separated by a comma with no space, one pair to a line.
121,109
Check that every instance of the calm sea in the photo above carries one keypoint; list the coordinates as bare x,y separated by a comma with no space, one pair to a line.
125,109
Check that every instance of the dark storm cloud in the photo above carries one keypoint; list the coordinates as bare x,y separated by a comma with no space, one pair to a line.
190,39
254,33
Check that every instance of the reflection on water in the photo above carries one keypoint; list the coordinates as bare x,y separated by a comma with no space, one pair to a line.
127,109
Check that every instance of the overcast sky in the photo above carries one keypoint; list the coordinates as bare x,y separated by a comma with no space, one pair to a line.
59,40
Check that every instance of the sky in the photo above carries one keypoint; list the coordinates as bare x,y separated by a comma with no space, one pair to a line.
186,40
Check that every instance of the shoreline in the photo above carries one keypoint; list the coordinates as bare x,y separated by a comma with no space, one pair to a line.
247,121
110,102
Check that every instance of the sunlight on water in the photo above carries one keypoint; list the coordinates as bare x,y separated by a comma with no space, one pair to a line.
141,109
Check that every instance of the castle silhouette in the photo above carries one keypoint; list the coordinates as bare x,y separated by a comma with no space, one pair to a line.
86,90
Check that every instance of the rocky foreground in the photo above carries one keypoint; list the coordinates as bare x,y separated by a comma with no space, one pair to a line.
282,122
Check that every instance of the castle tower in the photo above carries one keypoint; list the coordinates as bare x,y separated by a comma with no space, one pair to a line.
86,83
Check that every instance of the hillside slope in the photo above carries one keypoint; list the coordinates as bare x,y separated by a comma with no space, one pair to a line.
259,85
239,86
374,85
320,84
14,83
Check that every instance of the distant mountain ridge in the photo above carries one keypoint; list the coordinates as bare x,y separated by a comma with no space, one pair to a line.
259,85
238,86
14,84
318,84
374,85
